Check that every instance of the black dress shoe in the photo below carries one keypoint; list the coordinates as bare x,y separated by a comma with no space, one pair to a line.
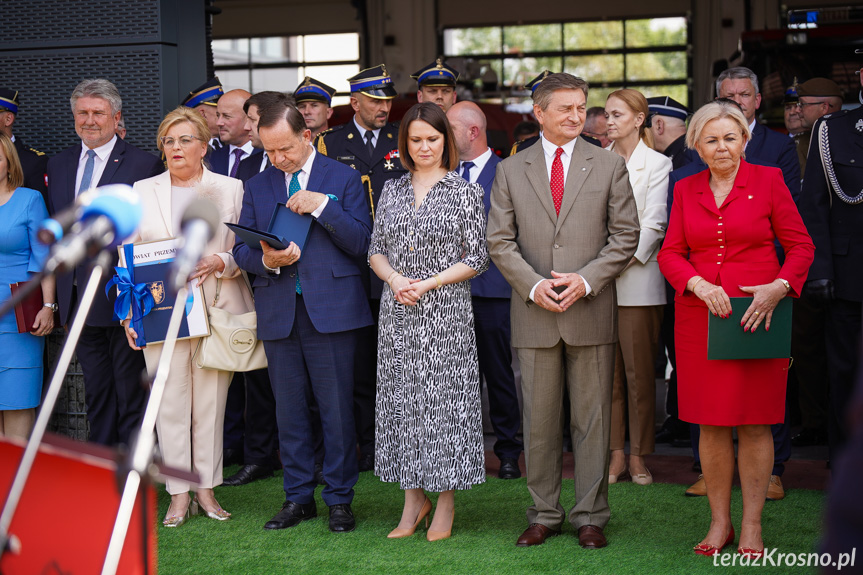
367,462
247,474
291,514
509,468
319,474
342,518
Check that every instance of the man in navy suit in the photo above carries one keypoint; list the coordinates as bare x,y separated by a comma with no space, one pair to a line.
490,294
112,371
309,310
233,133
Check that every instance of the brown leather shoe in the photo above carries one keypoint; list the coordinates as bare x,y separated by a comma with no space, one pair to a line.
535,534
698,489
591,537
775,491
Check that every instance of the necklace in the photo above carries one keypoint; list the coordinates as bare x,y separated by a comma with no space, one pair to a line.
721,195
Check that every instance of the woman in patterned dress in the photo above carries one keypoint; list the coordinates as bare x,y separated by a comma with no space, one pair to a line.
428,241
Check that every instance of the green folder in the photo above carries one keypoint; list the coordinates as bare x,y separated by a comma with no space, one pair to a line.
727,340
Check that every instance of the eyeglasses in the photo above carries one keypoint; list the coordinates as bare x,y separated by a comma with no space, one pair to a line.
185,141
804,104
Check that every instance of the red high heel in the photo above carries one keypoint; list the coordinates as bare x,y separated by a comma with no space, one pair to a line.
750,553
711,550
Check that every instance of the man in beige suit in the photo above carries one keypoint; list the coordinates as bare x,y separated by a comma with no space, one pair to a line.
563,224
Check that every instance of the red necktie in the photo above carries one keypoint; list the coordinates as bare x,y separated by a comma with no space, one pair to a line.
557,180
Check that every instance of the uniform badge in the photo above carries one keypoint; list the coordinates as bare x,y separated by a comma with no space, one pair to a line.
350,136
389,135
388,159
859,125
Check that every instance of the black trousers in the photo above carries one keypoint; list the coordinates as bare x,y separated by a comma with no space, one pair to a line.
843,359
366,382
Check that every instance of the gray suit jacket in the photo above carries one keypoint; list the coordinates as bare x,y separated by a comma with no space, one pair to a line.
595,235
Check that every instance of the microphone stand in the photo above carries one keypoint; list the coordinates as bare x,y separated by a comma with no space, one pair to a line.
141,455
101,264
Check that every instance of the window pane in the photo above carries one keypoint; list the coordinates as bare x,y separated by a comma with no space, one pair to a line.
274,49
677,91
534,38
596,96
518,71
593,35
335,76
234,79
234,51
278,79
596,69
460,41
656,66
655,32
332,47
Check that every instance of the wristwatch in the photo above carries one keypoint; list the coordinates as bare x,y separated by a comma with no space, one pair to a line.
54,307
786,284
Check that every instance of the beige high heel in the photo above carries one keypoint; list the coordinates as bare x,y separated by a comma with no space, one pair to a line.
219,514
438,535
398,533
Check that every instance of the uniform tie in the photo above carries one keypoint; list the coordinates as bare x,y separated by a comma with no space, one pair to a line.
369,145
557,180
465,170
88,171
238,155
293,188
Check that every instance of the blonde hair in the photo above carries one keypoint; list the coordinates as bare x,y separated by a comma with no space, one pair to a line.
715,111
636,102
179,115
14,173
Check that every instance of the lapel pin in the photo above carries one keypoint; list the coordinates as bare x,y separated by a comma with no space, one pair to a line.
350,136
750,197
390,136
583,169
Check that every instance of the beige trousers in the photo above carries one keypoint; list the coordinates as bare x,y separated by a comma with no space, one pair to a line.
191,418
634,378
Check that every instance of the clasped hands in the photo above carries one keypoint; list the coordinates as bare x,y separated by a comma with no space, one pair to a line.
546,297
408,291
765,298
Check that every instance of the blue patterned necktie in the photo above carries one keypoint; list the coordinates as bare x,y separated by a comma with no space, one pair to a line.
465,170
293,188
87,177
238,155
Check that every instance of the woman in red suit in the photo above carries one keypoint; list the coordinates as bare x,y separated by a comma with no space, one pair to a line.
720,244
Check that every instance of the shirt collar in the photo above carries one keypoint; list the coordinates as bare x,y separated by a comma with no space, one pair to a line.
363,131
103,151
481,160
550,148
307,167
247,147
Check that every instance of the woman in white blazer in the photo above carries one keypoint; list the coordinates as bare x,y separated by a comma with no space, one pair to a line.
640,288
190,420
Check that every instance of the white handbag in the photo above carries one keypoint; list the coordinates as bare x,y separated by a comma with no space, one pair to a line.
233,343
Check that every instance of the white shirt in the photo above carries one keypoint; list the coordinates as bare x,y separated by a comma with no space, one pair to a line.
478,165
549,150
363,131
103,152
303,178
247,148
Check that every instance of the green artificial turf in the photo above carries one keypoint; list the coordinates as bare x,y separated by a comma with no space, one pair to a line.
652,530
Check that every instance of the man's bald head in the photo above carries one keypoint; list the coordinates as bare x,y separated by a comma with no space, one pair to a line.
231,117
469,128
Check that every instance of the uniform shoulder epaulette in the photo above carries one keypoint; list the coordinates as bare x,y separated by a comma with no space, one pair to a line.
836,114
515,146
321,145
395,125
35,151
333,129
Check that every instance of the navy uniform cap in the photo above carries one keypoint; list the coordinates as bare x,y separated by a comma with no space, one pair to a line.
533,84
374,82
313,90
667,106
438,73
9,100
791,95
207,93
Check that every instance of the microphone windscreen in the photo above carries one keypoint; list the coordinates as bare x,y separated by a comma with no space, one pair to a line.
204,210
119,204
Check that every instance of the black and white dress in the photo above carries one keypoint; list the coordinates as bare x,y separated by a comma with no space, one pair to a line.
428,430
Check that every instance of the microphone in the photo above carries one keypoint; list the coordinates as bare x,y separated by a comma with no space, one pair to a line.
199,224
108,218
53,229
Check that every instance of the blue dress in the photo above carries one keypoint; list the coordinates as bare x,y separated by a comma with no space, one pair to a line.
21,256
